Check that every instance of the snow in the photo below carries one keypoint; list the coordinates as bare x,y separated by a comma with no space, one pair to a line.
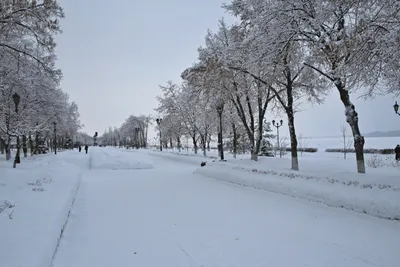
104,160
42,189
134,207
326,180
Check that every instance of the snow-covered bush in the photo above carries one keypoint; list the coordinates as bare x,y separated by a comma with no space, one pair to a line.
375,161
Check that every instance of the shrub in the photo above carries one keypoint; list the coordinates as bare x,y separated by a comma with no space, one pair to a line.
385,151
340,150
375,161
304,149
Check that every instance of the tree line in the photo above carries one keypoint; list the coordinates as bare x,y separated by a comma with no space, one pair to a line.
133,133
34,110
279,55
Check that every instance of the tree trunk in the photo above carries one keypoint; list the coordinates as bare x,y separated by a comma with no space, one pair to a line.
8,153
234,140
293,140
8,149
243,145
24,146
208,142
254,155
194,143
37,143
203,144
352,120
170,142
1,146
259,134
17,159
30,143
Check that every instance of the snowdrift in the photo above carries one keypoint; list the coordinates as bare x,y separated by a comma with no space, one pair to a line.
383,202
112,160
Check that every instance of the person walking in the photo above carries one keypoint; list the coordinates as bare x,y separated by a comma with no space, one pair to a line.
397,152
79,148
86,148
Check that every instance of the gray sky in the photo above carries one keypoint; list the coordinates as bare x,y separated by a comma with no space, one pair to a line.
115,54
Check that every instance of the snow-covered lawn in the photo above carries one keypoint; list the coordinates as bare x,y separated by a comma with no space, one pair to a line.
324,177
35,200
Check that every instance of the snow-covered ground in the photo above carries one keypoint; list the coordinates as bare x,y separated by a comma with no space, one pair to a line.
147,208
34,202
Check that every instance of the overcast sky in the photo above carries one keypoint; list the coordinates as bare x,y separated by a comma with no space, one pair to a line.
115,54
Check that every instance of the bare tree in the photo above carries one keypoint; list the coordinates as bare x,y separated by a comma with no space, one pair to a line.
283,146
302,143
347,142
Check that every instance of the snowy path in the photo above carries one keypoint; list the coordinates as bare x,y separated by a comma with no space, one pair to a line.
166,216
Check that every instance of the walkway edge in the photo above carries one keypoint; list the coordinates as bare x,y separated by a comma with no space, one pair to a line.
71,206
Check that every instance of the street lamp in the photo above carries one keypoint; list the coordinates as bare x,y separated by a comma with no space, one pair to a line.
55,137
159,121
137,137
396,108
16,99
95,138
220,109
277,125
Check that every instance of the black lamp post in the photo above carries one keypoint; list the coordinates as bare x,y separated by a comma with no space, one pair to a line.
16,99
95,138
396,108
55,137
220,109
137,137
277,125
159,121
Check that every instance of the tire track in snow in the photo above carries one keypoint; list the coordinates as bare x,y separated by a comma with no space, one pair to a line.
78,184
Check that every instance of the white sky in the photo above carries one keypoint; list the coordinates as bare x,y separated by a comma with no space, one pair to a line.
115,56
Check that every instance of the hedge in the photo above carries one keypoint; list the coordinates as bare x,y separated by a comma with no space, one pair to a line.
367,150
303,149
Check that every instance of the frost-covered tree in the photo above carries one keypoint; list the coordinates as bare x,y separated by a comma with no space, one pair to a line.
345,42
27,70
189,110
132,133
266,145
249,97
